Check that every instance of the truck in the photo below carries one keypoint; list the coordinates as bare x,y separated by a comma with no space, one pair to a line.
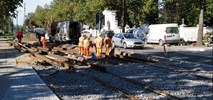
65,31
163,34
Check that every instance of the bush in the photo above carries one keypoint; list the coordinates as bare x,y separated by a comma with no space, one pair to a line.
208,38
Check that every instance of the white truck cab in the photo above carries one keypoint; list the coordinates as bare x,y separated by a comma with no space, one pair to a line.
163,34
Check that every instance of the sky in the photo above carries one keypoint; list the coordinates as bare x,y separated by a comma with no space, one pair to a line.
31,6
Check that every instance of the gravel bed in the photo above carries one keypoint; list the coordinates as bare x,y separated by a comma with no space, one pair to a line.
186,68
129,87
75,86
190,65
178,84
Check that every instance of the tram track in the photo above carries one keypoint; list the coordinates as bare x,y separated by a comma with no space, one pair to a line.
103,69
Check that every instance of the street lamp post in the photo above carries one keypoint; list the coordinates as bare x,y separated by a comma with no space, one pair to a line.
17,18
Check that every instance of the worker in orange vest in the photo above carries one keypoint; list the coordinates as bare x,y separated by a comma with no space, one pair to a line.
107,43
87,46
43,41
99,45
81,44
94,44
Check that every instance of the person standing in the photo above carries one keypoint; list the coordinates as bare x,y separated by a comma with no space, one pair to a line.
99,45
19,36
94,44
81,44
87,46
107,43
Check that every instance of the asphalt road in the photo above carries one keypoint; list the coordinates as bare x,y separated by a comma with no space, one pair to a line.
200,55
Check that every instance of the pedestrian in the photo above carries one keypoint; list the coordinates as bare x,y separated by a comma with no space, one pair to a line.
99,45
108,44
19,36
81,44
87,46
43,41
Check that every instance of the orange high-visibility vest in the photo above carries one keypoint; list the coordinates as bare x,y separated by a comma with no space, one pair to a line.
81,42
99,42
86,43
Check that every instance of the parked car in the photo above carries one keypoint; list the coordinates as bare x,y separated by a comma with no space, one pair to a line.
127,40
138,32
109,33
87,33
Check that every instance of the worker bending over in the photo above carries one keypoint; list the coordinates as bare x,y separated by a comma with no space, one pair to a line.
81,44
19,36
108,44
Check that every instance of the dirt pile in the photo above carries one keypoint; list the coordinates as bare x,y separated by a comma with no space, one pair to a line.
26,59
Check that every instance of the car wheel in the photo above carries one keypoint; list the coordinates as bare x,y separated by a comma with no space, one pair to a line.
161,43
124,45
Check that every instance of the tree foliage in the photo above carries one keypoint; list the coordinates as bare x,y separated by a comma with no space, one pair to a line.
173,11
7,9
149,11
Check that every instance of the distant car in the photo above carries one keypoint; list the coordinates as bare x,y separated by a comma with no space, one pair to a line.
138,32
127,40
109,33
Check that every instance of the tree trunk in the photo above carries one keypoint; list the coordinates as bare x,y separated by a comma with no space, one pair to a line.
200,29
123,16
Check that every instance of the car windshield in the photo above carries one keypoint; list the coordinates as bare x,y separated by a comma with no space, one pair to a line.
129,36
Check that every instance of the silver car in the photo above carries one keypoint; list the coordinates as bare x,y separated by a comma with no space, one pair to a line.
126,40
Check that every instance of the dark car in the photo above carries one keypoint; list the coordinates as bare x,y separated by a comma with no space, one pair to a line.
109,33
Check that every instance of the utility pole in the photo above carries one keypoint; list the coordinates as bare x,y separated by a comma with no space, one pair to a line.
123,16
24,23
17,20
99,22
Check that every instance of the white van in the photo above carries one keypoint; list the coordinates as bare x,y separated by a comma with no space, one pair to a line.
163,33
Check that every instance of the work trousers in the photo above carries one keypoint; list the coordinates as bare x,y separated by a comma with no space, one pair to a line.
19,40
99,52
86,51
107,50
81,50
44,44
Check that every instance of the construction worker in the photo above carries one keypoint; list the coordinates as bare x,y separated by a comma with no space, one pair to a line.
99,45
19,36
43,41
87,46
81,44
107,43
94,44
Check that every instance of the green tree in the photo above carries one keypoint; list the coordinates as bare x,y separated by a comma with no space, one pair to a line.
7,9
41,17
